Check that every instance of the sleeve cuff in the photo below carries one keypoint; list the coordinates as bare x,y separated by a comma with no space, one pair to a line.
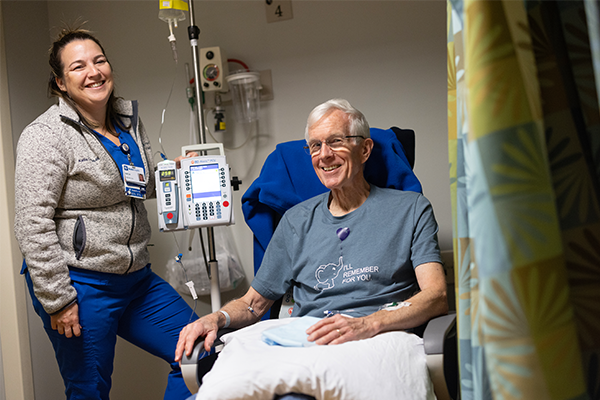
69,304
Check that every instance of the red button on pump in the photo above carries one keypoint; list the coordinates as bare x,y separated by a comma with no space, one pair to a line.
170,216
225,203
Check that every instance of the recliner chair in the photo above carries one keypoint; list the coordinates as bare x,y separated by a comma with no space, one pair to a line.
283,182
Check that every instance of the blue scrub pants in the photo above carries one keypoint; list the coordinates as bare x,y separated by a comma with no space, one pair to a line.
139,307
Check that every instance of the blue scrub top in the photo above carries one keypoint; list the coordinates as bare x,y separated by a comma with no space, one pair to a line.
118,155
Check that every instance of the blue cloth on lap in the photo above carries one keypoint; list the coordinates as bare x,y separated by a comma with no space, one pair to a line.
292,334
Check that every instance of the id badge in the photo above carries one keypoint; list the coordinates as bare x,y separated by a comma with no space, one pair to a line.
134,179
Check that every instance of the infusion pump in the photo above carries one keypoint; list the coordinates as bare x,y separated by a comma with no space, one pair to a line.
196,195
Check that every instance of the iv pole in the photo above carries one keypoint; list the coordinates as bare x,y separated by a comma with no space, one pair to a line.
193,34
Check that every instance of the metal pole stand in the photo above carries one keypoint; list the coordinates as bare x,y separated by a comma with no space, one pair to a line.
194,33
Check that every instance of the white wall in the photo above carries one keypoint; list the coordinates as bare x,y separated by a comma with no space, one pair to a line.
16,361
387,58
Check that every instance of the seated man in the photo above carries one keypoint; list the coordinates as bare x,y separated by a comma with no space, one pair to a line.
347,252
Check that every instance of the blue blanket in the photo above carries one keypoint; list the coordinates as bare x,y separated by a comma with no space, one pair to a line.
290,335
288,178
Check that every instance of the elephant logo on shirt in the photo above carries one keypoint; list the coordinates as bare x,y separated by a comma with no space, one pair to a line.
326,274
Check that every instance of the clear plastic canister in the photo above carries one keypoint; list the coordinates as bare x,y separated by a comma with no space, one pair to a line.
245,94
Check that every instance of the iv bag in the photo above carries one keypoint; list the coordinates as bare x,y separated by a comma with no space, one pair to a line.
172,11
231,273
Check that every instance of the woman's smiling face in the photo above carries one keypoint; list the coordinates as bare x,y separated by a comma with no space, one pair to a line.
87,75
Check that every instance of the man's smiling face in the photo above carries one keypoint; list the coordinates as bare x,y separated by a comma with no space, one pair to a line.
343,167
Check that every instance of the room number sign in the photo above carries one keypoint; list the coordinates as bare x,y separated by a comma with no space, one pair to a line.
278,10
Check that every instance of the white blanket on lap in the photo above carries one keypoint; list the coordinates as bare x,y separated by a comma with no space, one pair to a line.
388,366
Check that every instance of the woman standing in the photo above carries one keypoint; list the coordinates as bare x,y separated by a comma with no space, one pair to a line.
83,169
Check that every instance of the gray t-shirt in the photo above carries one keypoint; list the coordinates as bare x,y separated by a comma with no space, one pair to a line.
352,264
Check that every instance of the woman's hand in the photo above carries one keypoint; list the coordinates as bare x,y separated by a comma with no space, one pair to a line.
188,155
339,329
66,322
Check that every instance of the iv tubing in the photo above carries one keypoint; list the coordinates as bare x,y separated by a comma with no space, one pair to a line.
162,120
172,40
178,259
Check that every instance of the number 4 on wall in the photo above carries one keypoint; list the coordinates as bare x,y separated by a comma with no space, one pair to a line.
278,10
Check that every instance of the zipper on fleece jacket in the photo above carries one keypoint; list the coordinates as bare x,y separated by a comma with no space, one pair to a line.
133,212
132,203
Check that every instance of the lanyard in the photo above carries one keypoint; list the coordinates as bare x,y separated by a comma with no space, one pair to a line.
125,149
133,177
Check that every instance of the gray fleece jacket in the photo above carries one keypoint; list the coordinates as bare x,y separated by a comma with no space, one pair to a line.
70,204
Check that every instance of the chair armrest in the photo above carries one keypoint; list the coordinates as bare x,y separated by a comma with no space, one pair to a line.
439,341
200,361
436,331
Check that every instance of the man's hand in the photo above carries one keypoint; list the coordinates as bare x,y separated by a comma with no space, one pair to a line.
428,303
339,329
243,312
66,322
206,326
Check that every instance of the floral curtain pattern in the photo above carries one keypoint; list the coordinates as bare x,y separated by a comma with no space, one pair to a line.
524,150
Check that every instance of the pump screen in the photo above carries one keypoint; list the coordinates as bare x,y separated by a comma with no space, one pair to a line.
167,175
205,181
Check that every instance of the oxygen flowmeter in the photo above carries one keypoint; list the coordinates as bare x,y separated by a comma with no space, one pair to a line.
198,194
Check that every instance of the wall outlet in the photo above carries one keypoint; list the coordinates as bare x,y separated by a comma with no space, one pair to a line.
266,85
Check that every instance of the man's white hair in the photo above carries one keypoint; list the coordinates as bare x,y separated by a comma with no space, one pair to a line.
358,125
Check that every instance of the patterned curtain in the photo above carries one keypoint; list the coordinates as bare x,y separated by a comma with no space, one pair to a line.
524,149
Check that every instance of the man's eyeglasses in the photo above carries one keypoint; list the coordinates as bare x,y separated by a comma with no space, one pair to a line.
334,143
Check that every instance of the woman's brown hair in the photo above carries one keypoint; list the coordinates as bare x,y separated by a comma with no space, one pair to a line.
66,36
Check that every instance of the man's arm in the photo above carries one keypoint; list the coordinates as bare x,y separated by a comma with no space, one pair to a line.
242,312
430,302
